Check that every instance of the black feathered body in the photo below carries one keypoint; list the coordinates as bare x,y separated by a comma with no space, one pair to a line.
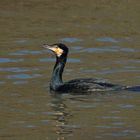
87,86
77,85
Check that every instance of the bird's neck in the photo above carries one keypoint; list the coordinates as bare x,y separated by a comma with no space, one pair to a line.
56,80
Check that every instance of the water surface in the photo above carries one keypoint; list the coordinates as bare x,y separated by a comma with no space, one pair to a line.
103,38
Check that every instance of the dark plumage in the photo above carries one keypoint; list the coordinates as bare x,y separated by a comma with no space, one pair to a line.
76,85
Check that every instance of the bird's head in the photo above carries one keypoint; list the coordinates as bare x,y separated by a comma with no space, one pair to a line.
59,49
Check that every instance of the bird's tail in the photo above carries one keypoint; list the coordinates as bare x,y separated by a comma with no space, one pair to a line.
133,88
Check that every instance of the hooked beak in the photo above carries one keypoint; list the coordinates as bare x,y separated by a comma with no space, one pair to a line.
47,47
55,49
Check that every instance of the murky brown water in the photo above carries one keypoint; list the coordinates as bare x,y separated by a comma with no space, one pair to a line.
103,37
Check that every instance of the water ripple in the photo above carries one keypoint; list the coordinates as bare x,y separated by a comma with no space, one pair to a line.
8,60
126,106
70,60
113,40
17,69
107,126
20,82
23,76
107,39
70,39
14,69
108,49
27,52
118,71
127,61
110,117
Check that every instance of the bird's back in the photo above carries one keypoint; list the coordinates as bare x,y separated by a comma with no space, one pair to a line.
87,85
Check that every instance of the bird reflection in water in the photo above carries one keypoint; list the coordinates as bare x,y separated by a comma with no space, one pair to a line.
61,117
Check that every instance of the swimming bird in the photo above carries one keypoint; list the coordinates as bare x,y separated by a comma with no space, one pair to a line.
81,85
